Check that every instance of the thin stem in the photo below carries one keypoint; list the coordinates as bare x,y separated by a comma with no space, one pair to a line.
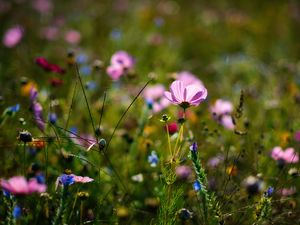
24,159
169,141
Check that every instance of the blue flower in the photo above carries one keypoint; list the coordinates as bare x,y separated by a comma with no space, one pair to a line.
14,108
85,70
116,34
17,212
82,58
197,186
52,118
153,159
66,180
91,85
194,147
6,193
149,103
40,178
269,192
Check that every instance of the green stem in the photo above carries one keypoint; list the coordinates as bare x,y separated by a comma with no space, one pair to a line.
62,205
24,159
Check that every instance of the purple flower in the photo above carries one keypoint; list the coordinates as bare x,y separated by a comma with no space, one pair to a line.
194,147
186,95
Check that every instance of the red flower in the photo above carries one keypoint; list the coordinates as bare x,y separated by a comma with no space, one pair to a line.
42,62
172,127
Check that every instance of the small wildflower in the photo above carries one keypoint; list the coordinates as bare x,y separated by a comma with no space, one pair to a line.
153,159
194,147
52,118
269,192
66,180
197,186
172,128
183,172
17,212
13,109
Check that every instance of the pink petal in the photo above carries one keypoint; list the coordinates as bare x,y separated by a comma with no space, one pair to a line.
177,91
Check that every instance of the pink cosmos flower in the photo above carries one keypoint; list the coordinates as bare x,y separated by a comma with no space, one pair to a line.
188,78
186,95
155,95
12,36
50,33
183,172
122,58
80,179
72,36
288,156
18,185
121,62
115,71
42,6
287,191
221,107
221,111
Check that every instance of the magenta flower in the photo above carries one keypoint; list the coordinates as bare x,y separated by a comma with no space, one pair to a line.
18,185
12,36
186,95
42,62
288,156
